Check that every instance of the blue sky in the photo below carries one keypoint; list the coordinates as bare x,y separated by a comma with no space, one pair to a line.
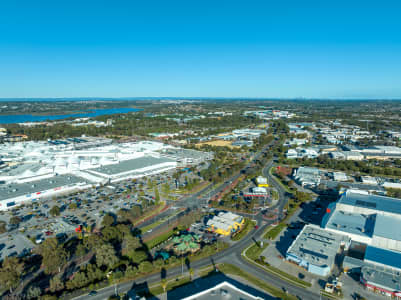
318,49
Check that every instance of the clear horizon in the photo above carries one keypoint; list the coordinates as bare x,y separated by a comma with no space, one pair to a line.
224,49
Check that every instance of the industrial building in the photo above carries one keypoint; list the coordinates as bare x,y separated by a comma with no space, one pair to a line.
370,219
369,180
315,249
340,176
307,176
372,222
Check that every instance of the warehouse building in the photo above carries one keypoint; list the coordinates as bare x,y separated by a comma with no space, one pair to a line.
307,176
340,176
373,223
370,219
315,249
380,271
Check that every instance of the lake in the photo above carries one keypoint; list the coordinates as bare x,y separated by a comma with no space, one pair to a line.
9,119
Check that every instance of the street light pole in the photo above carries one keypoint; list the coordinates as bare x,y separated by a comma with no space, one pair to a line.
182,266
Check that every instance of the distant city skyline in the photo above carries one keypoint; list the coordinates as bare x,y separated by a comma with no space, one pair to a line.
222,49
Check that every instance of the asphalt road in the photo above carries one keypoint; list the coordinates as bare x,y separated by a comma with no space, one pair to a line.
281,191
230,255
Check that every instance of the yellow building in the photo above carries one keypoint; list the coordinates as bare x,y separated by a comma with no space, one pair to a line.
261,181
226,223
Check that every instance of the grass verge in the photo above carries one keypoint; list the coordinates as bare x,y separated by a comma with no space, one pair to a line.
276,292
285,275
253,258
159,239
279,181
248,226
150,213
331,296
275,231
255,250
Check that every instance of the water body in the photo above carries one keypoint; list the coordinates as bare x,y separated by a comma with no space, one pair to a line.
10,119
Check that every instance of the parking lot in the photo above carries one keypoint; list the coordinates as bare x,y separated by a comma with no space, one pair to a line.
310,213
33,222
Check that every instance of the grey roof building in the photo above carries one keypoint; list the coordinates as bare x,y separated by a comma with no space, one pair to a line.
307,176
315,249
134,168
9,191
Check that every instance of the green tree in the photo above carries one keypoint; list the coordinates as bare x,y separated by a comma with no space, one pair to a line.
33,292
111,233
81,250
93,273
129,244
15,220
157,196
56,283
78,280
164,284
150,184
106,256
54,255
108,220
395,193
302,196
137,256
48,297
136,211
54,211
3,227
145,267
10,273
92,242
166,189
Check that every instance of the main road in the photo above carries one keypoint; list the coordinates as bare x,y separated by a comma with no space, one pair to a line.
195,200
231,255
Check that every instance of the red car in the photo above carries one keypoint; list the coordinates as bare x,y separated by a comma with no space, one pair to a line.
48,233
256,226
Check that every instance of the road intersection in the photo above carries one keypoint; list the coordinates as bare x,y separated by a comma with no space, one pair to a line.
231,255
